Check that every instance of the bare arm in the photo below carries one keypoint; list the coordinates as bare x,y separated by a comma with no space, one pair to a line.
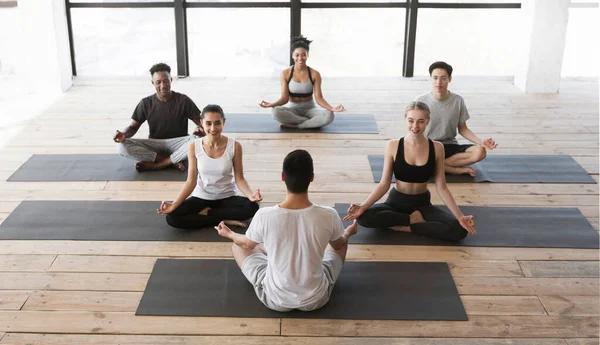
318,92
128,132
189,185
343,240
199,131
238,171
444,193
240,240
488,143
285,92
386,176
383,186
468,134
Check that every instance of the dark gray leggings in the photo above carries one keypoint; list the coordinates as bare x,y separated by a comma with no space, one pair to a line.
187,216
396,210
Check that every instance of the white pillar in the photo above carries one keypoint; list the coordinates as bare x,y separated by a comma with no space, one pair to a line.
47,58
544,34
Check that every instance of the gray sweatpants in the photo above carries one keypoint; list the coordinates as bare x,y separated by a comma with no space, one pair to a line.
147,149
304,114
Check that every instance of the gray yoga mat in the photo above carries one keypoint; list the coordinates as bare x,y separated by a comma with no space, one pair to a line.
535,227
89,167
97,220
264,123
513,169
364,291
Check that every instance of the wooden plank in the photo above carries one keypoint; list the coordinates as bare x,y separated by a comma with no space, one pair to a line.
355,251
557,269
110,339
128,323
571,305
13,300
527,286
477,326
25,262
8,206
53,186
502,305
83,301
112,264
72,281
588,341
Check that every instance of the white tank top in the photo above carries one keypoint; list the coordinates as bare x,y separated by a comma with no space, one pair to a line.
215,175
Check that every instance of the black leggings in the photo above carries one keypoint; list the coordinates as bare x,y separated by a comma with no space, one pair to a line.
396,211
187,216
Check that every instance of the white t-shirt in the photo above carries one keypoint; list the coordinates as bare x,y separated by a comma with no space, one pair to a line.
446,115
295,241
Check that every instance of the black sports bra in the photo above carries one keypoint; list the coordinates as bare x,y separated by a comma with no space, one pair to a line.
307,94
413,173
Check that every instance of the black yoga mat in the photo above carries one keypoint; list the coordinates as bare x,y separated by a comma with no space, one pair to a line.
89,167
513,169
264,123
97,221
364,291
535,227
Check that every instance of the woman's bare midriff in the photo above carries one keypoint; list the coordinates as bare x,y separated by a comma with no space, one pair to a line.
300,99
411,187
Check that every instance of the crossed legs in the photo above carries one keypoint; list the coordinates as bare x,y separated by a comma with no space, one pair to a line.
459,163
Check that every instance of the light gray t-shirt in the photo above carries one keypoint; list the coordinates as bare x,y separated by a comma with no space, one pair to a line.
445,117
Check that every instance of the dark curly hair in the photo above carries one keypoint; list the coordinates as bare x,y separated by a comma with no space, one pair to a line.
160,67
300,42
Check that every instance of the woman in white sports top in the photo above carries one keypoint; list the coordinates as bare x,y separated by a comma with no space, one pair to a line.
296,108
215,170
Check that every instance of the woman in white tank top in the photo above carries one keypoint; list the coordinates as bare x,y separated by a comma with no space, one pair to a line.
215,178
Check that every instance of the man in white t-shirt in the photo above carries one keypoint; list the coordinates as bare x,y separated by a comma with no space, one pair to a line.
449,114
303,244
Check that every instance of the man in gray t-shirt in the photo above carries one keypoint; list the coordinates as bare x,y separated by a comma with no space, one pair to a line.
167,113
449,115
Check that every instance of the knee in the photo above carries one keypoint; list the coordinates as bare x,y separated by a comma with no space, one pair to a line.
122,149
172,221
276,112
252,208
457,232
479,153
328,118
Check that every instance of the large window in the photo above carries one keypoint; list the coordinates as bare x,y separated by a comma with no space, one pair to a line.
473,41
581,48
238,42
122,41
355,42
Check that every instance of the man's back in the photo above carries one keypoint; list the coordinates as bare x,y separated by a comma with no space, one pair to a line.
295,241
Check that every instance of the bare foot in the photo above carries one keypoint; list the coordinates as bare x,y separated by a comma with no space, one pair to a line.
147,166
416,217
204,212
288,125
180,166
235,223
460,171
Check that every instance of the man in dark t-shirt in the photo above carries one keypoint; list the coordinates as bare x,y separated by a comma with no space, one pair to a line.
167,113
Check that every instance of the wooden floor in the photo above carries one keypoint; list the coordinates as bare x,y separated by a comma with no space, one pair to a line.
68,292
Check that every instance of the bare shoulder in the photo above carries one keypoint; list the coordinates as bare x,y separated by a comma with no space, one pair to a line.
315,73
439,148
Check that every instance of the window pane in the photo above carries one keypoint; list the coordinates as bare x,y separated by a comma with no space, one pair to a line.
123,41
346,44
112,1
238,42
238,1
581,48
473,41
474,1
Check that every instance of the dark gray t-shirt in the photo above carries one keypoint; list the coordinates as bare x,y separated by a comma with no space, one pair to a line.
166,119
446,115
